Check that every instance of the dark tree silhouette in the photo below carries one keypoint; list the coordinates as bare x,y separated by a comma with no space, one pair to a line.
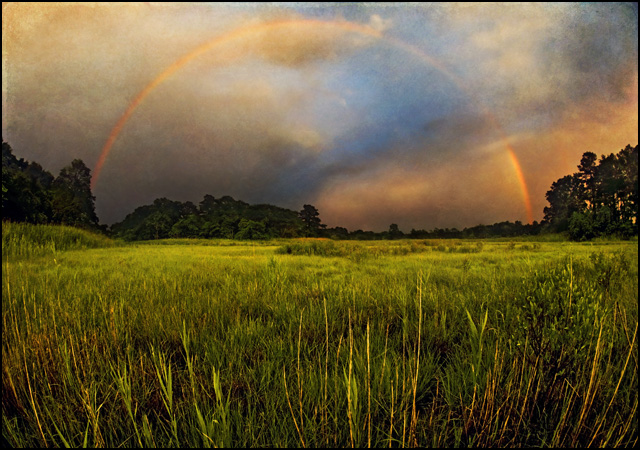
311,219
563,202
72,199
208,204
628,162
394,232
585,180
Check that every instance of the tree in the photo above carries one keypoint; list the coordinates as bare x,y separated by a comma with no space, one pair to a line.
156,221
249,229
159,225
585,179
338,233
311,219
72,199
580,227
628,161
208,204
229,227
563,201
25,189
394,232
189,226
37,173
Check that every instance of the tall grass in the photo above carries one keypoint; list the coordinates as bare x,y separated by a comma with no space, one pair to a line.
24,240
192,345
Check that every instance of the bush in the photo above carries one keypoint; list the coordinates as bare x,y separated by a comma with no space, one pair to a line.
581,227
558,318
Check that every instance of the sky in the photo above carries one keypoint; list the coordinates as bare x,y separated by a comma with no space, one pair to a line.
421,114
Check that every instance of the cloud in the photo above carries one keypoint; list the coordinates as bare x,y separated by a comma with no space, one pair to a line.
378,23
537,59
364,129
415,197
300,45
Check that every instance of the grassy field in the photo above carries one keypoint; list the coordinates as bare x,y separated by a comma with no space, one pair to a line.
317,343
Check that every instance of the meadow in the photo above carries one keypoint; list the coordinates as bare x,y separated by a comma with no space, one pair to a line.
317,343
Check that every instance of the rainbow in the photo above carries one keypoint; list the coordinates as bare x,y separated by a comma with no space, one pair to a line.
340,25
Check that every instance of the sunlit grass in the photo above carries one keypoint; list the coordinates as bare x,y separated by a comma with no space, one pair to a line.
400,343
23,240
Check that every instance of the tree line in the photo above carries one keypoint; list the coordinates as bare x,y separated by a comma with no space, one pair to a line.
32,194
213,217
601,199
